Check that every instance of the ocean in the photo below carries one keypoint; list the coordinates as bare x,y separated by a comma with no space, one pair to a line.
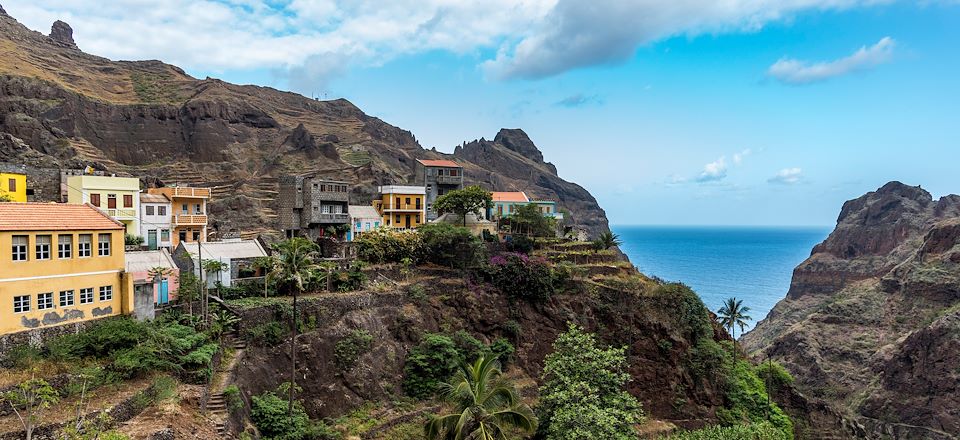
754,264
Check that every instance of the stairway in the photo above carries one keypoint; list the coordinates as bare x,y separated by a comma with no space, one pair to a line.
217,410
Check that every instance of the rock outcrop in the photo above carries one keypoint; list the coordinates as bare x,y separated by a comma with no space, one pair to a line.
150,119
871,323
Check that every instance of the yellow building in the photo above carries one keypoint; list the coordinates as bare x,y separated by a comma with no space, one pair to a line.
119,197
60,263
13,186
402,207
189,219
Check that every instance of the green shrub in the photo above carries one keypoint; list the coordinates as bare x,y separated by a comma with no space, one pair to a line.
269,413
503,349
773,374
450,245
231,395
522,277
468,347
23,356
349,280
521,244
416,292
748,400
350,347
754,431
388,245
267,334
511,328
428,364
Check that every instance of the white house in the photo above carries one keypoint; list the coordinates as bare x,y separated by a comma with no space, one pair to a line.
155,220
237,255
362,219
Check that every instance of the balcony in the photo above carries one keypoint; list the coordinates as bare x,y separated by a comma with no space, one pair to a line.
328,196
449,180
190,220
403,207
182,191
121,213
320,217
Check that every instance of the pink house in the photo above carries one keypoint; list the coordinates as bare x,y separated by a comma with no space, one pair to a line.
140,264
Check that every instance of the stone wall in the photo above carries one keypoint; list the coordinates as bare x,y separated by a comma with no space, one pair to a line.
37,337
43,184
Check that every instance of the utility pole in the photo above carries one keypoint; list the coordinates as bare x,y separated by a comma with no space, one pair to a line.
203,286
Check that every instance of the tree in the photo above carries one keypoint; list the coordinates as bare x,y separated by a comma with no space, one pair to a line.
485,405
5,198
215,266
733,314
470,200
189,289
295,262
29,400
583,392
606,240
528,218
265,264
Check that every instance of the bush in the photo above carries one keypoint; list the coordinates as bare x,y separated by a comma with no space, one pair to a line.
388,245
748,400
522,277
755,431
450,245
503,349
267,334
269,413
231,395
521,244
428,364
774,374
350,347
349,280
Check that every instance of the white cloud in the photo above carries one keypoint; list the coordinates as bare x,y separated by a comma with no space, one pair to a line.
738,157
792,71
787,176
713,171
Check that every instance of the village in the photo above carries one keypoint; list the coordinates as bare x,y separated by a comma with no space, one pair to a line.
145,238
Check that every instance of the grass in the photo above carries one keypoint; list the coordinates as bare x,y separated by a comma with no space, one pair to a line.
355,158
152,88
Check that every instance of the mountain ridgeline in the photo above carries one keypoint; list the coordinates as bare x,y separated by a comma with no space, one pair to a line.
63,108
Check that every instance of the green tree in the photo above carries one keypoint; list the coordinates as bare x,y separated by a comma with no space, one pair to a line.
296,260
733,314
29,400
216,267
265,264
583,392
5,198
606,240
188,289
528,219
485,405
470,200
277,418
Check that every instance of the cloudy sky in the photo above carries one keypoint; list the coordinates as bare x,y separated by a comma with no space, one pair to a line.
735,112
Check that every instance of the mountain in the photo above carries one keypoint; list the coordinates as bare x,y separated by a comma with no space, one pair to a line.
63,108
871,324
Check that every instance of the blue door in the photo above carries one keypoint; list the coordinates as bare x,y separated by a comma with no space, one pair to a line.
164,294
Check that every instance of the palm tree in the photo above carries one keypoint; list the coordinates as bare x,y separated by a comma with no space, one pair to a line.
733,314
485,405
265,264
606,240
294,264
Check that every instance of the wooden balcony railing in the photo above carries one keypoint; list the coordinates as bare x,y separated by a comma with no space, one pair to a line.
402,207
183,191
189,220
119,213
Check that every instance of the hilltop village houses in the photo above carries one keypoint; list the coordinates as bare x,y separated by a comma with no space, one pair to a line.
106,245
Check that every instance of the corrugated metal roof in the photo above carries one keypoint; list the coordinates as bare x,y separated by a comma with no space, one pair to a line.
439,163
153,198
227,250
142,261
363,211
510,196
53,217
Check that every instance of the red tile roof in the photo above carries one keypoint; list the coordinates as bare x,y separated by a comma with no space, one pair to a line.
439,163
510,196
53,217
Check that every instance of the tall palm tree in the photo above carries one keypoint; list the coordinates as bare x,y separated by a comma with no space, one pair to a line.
606,240
295,261
733,314
485,405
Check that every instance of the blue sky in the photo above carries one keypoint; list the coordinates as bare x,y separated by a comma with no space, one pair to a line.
687,112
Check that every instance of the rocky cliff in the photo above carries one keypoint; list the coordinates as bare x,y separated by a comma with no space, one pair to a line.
63,108
871,323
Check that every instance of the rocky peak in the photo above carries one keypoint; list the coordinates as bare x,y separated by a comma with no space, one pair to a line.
62,33
2,11
517,140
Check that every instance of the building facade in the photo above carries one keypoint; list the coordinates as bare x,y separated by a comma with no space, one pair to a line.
402,207
548,208
188,218
310,205
13,186
59,264
236,255
154,274
505,203
437,177
156,221
119,197
362,219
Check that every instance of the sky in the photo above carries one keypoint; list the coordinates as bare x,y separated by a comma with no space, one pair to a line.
687,112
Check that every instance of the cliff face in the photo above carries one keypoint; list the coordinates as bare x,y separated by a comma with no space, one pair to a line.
61,107
871,323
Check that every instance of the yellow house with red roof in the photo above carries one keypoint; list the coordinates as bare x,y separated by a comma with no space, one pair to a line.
59,264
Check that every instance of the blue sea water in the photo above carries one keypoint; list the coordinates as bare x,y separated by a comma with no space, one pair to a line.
754,264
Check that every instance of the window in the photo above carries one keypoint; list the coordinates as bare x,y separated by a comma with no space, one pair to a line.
164,235
149,209
111,201
325,209
64,246
20,248
21,304
127,201
106,293
45,301
12,185
398,203
197,210
66,298
86,295
453,173
84,245
95,200
408,201
103,245
196,235
358,225
161,210
43,247
183,209
183,235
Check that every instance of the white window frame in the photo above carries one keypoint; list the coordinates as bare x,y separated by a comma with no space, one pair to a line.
67,298
64,248
86,295
44,300
84,248
42,250
103,246
18,249
21,304
106,293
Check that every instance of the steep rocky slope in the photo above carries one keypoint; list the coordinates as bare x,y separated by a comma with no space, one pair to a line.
61,107
871,323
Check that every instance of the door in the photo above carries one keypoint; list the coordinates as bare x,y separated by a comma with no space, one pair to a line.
164,296
152,239
408,221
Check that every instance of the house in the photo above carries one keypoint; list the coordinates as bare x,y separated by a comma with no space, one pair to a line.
401,207
188,217
156,221
362,219
437,177
119,197
311,205
548,208
237,256
62,263
505,203
13,186
154,274
476,224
